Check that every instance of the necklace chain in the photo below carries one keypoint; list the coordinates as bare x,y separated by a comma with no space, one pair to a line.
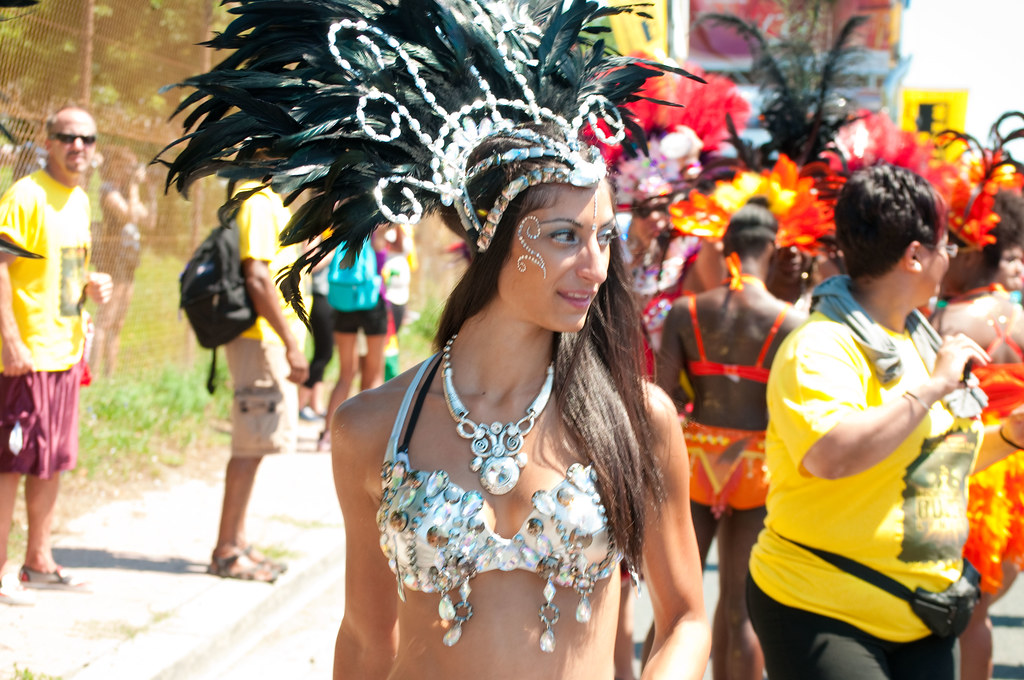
497,448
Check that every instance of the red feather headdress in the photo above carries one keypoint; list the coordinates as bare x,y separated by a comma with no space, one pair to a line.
676,136
970,185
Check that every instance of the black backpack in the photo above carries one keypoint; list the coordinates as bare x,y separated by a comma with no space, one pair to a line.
213,293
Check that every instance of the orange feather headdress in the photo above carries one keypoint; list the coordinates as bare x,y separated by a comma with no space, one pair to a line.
803,217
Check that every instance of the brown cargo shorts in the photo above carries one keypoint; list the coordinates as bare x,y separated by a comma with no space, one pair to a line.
265,413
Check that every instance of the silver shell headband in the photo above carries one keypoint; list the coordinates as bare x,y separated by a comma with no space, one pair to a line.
460,132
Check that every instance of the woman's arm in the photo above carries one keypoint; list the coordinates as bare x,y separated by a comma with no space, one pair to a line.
672,571
368,637
671,357
123,208
996,444
864,439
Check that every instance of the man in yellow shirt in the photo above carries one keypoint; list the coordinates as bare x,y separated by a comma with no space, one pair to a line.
267,363
42,342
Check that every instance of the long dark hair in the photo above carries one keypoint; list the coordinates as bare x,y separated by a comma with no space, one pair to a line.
599,388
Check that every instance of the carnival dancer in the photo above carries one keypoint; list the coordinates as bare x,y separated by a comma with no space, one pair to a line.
720,344
490,557
872,426
987,224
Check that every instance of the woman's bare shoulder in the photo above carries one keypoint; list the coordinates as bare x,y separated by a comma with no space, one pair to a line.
663,419
363,423
661,411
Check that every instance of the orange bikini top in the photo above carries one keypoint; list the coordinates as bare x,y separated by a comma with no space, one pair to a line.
1002,336
756,373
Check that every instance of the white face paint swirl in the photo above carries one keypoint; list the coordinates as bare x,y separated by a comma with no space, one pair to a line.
529,228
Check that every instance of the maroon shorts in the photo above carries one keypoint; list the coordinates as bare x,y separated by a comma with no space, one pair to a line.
45,405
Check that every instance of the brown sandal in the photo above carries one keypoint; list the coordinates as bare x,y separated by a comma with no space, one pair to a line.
272,564
240,566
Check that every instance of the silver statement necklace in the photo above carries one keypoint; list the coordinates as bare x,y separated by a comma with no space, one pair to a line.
497,454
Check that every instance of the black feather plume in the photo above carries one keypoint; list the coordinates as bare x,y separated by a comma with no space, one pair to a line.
315,85
804,107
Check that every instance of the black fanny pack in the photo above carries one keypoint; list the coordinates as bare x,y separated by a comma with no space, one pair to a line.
946,614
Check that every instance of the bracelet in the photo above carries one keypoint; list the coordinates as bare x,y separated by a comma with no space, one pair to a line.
1005,439
918,400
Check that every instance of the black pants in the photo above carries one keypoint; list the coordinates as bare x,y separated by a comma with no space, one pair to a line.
799,645
321,321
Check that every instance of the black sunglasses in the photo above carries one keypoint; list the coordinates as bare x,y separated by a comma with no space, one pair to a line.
64,138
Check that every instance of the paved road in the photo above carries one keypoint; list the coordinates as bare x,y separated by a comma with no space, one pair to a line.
301,645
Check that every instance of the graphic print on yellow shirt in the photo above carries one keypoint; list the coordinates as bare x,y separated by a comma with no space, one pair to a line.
935,498
72,280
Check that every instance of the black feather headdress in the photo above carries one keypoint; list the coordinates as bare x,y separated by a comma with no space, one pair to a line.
804,102
377,106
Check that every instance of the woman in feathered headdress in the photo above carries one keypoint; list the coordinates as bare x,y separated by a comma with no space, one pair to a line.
987,223
496,517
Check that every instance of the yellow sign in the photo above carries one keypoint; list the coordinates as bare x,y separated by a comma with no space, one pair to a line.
637,34
929,112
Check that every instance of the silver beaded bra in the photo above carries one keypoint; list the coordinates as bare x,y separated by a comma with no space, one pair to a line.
436,539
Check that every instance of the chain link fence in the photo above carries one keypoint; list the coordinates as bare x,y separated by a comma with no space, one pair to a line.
117,58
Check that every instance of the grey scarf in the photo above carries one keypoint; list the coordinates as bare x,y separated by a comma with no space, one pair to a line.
834,299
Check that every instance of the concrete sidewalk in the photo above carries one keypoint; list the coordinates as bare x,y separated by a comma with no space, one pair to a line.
153,612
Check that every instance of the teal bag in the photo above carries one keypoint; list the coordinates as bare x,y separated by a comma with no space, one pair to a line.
355,288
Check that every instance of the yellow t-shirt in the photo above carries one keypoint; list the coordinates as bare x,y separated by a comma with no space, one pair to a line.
46,217
261,219
906,516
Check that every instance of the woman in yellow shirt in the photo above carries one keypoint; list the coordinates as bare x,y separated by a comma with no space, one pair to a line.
871,436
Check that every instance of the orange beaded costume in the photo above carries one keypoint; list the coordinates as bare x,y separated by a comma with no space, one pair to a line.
726,467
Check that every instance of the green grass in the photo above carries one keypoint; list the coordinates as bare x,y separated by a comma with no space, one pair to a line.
278,552
132,425
26,674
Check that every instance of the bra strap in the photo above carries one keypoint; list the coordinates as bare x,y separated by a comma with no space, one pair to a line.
396,431
414,416
771,336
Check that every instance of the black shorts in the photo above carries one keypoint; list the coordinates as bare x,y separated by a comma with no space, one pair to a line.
799,644
372,321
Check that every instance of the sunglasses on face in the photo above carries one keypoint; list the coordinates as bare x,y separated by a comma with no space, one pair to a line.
64,138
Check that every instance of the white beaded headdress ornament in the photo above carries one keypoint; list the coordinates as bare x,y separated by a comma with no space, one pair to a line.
377,107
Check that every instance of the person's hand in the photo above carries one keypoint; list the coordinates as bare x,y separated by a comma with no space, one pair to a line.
298,364
16,357
99,287
139,176
951,360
